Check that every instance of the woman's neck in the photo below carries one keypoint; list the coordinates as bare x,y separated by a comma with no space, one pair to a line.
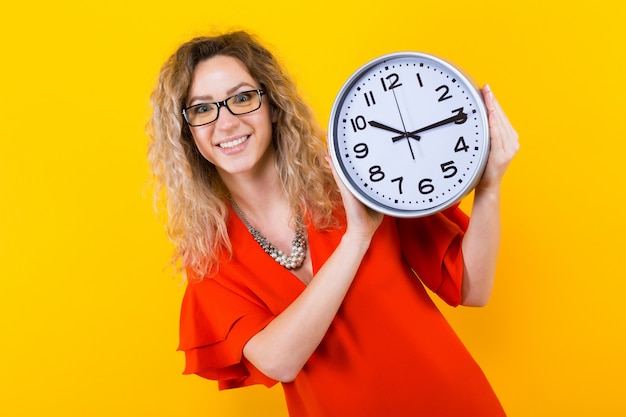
259,194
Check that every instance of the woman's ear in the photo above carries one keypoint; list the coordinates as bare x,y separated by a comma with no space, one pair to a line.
274,113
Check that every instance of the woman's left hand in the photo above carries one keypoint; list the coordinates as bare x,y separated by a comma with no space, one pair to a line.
504,142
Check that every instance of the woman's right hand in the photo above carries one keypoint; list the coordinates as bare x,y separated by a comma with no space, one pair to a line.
362,221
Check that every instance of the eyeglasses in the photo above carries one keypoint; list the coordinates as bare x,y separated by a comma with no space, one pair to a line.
240,103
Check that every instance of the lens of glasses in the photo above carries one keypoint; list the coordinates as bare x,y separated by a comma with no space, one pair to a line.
205,113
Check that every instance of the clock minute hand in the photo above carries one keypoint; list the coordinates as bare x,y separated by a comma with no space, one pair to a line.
458,118
391,129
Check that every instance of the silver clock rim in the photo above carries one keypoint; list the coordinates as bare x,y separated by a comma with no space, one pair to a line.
333,124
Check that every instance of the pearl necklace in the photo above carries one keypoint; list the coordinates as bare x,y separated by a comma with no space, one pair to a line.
298,246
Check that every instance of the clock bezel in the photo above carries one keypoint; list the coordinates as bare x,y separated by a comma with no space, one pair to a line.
334,147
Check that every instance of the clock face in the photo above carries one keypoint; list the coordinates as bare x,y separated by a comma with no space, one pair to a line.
409,134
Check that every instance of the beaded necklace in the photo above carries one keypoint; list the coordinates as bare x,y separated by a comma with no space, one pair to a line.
298,246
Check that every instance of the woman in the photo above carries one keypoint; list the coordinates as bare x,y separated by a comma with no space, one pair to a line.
342,322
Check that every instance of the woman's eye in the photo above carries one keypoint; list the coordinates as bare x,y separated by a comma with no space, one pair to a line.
202,108
242,98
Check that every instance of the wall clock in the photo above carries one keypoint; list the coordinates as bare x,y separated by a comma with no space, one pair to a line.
408,134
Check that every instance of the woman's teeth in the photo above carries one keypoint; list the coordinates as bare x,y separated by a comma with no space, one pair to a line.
233,143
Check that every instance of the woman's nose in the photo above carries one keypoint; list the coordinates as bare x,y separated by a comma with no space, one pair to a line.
226,120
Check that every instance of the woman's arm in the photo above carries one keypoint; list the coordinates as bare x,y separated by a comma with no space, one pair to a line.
282,348
482,240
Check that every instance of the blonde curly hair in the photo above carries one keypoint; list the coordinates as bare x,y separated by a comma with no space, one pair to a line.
188,186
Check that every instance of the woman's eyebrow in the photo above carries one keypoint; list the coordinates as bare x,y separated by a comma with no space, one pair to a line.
229,92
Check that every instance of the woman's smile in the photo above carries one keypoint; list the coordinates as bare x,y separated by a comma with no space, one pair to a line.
233,143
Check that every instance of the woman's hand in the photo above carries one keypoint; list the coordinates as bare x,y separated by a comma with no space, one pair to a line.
504,143
362,221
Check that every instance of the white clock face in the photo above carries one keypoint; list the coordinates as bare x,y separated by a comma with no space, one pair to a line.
409,134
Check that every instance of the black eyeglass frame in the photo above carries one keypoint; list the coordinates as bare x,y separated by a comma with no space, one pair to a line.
224,103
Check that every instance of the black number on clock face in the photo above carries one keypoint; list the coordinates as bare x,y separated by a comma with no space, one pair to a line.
376,173
449,166
446,92
419,80
399,181
391,81
369,98
358,123
425,186
361,150
460,145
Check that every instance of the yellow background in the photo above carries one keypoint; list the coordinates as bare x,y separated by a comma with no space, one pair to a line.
88,309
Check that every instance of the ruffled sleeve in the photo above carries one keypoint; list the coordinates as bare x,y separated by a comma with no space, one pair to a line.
432,246
215,324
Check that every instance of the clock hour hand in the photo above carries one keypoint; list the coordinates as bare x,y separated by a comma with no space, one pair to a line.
391,129
459,118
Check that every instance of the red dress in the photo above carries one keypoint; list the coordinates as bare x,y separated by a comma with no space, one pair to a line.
388,352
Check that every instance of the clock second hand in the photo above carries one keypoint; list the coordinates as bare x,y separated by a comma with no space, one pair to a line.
406,135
